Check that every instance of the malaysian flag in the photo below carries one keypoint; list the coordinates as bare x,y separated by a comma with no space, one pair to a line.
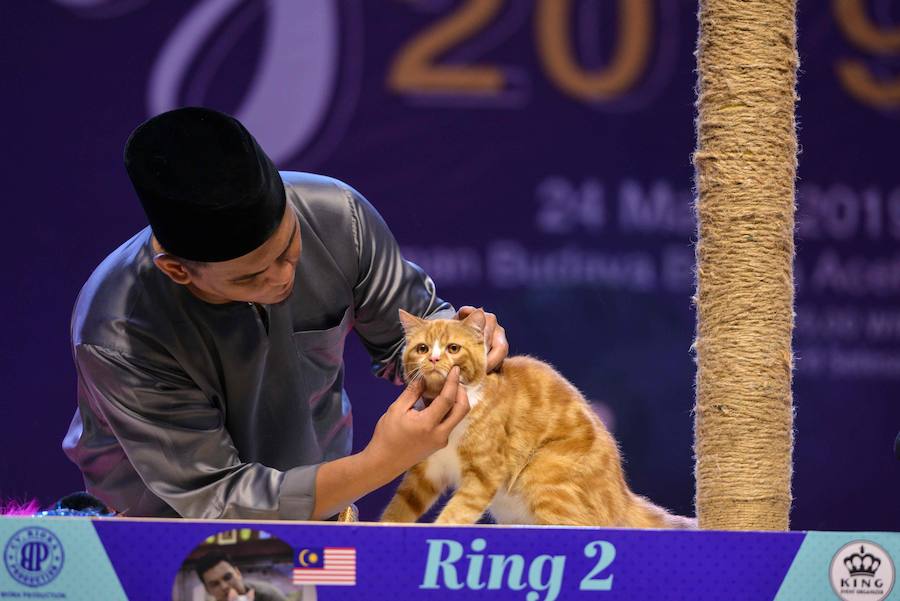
329,566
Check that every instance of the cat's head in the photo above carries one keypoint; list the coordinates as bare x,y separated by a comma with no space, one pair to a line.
435,346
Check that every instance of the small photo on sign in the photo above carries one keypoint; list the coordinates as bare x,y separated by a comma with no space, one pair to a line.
240,565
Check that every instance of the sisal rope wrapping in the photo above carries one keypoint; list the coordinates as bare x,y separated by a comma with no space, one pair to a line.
745,163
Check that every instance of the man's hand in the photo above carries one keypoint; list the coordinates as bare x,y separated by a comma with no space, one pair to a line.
494,337
404,436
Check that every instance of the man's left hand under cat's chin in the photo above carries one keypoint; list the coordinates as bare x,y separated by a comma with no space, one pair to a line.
494,336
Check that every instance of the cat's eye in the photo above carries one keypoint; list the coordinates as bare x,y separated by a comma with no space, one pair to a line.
453,348
422,348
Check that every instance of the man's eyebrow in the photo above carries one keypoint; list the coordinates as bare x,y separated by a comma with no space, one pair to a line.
286,247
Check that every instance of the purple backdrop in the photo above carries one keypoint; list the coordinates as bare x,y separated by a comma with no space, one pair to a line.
535,161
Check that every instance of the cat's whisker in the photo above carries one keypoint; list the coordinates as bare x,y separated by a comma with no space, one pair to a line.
414,375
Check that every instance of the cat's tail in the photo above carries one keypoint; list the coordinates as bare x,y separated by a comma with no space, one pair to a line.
680,522
644,514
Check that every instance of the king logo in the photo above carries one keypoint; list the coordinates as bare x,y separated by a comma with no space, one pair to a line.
862,570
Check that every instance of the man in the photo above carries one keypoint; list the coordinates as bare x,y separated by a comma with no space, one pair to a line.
224,581
209,346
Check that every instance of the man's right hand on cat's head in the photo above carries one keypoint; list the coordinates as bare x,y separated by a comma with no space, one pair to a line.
494,336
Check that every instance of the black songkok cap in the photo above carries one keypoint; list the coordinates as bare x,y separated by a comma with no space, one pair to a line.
208,189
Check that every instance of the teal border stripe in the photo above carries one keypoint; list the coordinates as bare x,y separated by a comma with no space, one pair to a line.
86,574
809,577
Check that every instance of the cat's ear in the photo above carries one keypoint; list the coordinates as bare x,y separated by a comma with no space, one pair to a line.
476,320
410,322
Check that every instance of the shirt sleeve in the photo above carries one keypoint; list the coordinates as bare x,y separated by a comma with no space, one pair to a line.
387,283
175,438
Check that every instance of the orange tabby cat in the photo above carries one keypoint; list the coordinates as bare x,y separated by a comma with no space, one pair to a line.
530,450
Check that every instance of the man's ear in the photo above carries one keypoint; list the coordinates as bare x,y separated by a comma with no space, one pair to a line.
410,322
173,268
476,320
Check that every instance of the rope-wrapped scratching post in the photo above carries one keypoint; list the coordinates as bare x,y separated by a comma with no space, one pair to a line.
745,163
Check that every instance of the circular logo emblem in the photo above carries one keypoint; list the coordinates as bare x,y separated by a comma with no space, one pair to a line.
33,556
862,570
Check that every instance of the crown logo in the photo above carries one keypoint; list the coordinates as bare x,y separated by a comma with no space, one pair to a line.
862,563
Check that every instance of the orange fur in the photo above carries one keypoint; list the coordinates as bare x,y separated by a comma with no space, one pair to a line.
531,450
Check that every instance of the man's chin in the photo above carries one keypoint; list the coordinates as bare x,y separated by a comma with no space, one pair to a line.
277,298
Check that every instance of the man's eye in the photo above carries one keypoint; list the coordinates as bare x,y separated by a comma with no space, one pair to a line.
453,348
422,348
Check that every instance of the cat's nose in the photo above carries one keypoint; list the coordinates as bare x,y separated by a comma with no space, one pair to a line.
434,359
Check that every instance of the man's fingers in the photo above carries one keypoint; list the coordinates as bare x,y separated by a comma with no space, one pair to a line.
465,311
410,394
457,413
442,404
499,349
452,384
490,328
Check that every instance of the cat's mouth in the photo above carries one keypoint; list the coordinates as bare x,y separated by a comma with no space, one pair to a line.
440,375
435,379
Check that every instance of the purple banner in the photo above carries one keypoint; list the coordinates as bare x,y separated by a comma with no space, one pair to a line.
483,562
118,559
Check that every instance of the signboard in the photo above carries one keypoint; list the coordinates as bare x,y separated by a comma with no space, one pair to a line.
112,559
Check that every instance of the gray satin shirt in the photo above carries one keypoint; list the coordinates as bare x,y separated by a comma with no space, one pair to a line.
191,409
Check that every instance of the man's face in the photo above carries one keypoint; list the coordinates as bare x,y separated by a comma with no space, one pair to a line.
265,275
222,578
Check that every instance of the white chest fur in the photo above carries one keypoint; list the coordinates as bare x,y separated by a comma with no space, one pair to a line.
443,468
510,509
